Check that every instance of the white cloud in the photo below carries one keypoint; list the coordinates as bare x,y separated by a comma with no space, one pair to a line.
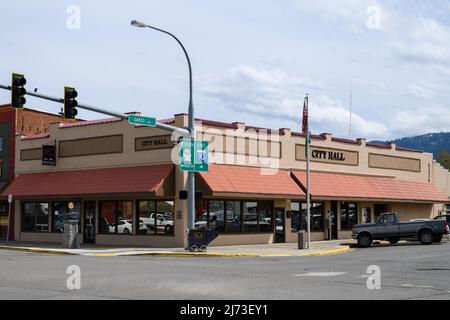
278,95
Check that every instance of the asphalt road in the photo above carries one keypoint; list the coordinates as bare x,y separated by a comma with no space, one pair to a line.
408,271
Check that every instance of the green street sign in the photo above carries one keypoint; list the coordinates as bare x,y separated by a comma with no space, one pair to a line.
193,155
143,121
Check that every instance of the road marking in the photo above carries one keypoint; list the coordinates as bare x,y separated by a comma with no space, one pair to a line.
320,274
408,285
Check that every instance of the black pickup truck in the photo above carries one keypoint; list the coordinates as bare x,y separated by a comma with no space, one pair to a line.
387,227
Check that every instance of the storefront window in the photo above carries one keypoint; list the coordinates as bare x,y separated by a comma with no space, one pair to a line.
250,219
265,217
60,210
349,215
155,217
35,217
201,214
233,217
228,216
217,216
164,218
116,217
299,220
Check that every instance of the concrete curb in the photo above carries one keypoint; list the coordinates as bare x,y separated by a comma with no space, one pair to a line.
175,254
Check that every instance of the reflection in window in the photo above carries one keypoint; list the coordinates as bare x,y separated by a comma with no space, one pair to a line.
217,216
60,210
35,217
250,219
233,217
299,219
116,217
226,216
155,217
349,215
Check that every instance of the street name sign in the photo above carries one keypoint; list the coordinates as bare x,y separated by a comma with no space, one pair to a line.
141,120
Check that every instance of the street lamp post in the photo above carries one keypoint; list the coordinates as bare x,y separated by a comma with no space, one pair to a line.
191,124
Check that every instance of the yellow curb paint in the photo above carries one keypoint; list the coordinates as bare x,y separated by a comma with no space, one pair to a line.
212,254
38,251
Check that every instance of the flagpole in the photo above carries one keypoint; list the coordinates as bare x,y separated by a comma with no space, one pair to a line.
308,200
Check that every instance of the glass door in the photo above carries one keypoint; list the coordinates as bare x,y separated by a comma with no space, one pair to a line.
89,222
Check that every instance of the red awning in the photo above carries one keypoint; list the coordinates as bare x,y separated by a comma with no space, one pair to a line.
143,179
333,185
227,179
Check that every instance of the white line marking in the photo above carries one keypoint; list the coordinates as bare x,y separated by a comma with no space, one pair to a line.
320,274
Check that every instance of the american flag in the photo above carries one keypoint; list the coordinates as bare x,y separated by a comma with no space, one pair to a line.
305,117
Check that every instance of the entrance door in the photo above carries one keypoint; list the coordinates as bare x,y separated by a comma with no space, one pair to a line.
89,222
279,225
333,220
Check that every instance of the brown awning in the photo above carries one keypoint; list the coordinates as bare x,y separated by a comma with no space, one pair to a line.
227,180
333,185
124,180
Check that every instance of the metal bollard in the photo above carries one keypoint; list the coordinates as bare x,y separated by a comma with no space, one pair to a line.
301,240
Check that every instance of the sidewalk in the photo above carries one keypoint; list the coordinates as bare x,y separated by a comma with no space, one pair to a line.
266,250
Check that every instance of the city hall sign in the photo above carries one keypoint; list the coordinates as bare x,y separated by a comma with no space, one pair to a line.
327,155
152,143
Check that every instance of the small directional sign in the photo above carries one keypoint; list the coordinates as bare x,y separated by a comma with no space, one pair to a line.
194,155
141,120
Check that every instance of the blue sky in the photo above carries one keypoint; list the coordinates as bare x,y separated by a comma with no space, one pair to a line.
253,60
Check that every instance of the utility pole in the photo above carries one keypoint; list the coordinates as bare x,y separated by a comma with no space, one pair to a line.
191,124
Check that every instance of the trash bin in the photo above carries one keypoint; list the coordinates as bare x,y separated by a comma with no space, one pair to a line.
199,239
302,240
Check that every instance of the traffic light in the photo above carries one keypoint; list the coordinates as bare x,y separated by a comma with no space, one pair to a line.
18,91
70,104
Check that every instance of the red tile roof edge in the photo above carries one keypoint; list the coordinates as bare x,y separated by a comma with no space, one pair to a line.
378,145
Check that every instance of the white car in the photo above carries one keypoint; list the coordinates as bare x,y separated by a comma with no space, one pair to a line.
126,227
163,222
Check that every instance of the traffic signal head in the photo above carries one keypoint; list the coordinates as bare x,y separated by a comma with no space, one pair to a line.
18,91
70,104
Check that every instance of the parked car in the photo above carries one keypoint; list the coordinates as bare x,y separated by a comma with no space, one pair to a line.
388,227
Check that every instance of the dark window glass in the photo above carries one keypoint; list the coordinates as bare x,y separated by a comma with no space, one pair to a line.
265,216
29,216
116,217
233,218
317,217
349,215
155,217
164,217
60,210
35,216
217,216
201,214
250,217
146,210
299,219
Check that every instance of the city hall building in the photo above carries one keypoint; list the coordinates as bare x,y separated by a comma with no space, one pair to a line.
123,183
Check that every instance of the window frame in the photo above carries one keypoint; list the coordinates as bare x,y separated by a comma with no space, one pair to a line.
155,203
116,220
322,203
348,227
241,213
35,216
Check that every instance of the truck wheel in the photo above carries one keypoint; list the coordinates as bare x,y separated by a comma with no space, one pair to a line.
426,237
437,238
364,240
393,240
